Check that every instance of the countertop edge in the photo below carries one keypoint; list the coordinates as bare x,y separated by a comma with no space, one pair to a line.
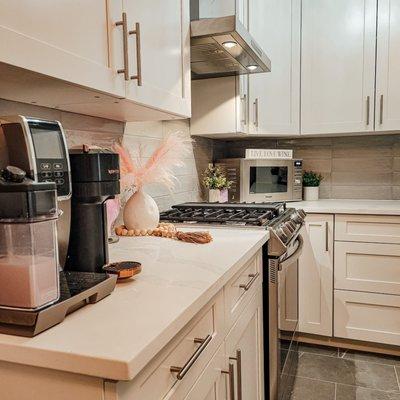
116,369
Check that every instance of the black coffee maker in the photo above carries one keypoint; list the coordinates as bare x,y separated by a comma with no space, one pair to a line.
95,178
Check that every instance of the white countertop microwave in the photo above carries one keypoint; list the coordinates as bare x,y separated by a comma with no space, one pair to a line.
263,180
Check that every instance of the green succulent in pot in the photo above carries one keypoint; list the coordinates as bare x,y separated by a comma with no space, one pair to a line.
312,179
311,182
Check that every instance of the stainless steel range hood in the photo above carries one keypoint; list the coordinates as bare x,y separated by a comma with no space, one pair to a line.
224,47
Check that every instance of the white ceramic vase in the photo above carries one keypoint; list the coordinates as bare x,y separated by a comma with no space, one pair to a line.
213,195
311,193
141,212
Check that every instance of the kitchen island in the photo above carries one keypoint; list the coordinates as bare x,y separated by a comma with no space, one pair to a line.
117,338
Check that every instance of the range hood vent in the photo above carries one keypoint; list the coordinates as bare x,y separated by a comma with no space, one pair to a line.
223,47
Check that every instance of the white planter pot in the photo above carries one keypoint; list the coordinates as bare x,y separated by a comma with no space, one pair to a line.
141,212
213,195
311,193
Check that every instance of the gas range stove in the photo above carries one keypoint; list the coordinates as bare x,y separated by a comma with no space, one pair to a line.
283,223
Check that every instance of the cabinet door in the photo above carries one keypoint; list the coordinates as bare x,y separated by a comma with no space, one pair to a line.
275,96
244,346
316,276
387,110
66,39
338,66
213,383
160,55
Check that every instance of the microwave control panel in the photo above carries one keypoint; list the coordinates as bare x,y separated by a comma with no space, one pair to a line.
297,179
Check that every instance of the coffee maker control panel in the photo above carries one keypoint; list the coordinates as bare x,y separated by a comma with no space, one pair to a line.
39,147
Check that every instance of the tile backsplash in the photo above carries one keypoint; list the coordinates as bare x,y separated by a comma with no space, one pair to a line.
81,129
356,167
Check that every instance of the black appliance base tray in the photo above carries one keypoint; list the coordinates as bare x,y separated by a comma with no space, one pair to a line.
76,290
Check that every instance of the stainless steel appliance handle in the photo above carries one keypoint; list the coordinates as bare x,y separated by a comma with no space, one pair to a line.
381,110
138,75
124,25
368,107
294,257
231,375
238,360
182,371
250,282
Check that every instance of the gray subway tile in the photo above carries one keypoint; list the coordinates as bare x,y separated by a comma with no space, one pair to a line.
362,165
362,192
366,178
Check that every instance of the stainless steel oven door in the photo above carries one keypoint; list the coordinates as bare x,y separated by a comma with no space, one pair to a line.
288,319
283,320
266,180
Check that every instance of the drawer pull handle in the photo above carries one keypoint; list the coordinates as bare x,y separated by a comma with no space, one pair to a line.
238,360
182,371
231,374
250,282
124,25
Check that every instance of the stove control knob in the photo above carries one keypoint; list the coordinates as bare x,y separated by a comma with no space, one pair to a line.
281,234
296,218
302,213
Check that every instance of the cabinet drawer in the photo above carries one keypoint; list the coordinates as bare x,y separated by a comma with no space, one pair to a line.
369,267
367,316
241,288
157,381
367,228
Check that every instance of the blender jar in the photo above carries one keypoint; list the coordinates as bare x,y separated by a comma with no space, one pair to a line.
29,276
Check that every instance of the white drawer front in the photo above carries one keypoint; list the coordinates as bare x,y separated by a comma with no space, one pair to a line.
369,267
367,228
367,316
157,381
240,289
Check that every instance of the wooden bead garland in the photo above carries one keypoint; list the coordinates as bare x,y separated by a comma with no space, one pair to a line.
164,229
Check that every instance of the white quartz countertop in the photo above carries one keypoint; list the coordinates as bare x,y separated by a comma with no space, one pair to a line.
116,337
377,207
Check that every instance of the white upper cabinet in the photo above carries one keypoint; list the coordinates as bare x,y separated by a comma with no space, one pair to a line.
275,96
121,59
159,56
387,109
338,66
65,39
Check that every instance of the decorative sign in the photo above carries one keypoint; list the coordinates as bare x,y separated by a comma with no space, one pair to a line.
269,153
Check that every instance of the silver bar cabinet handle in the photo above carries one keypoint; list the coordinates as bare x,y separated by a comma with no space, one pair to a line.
256,112
138,75
381,110
244,113
238,360
326,236
124,25
253,277
368,107
231,375
182,371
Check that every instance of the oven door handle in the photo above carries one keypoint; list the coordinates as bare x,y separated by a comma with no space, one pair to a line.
294,257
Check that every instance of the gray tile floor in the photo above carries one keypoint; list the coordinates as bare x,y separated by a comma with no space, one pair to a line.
327,373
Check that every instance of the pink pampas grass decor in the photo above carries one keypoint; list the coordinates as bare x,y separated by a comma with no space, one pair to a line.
159,167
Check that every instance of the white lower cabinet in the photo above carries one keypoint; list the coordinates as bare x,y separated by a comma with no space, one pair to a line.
244,347
316,276
366,316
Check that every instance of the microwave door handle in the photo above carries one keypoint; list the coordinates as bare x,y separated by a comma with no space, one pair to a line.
294,257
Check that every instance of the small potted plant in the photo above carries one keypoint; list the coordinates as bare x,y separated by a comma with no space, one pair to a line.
215,180
311,182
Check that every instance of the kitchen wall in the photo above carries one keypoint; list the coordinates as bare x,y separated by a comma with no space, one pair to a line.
81,129
358,167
